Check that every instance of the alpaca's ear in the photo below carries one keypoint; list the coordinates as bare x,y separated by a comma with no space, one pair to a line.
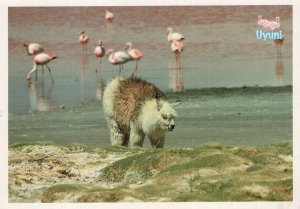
174,104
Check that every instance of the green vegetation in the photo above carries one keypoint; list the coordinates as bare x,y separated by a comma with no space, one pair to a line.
211,172
86,193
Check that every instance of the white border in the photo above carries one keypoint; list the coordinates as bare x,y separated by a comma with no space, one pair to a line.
295,204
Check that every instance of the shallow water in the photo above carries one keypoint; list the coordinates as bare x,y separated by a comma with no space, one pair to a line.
221,50
242,116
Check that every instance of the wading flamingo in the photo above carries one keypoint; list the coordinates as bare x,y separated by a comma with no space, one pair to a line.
33,48
118,58
135,54
99,51
83,39
109,16
174,36
177,48
41,59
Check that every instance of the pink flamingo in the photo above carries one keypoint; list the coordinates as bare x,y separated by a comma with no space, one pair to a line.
135,54
99,51
177,48
262,22
118,58
109,16
83,39
41,59
34,48
272,25
174,36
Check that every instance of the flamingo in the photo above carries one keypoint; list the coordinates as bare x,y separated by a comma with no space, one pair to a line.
278,43
272,25
262,22
83,39
135,54
99,51
174,36
118,58
33,48
41,59
109,16
177,48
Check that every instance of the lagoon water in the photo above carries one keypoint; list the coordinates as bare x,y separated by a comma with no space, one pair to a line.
221,50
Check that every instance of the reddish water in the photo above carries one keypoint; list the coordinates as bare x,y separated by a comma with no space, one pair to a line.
221,49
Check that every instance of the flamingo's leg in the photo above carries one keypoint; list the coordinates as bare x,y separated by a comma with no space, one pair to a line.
50,73
120,69
36,75
43,70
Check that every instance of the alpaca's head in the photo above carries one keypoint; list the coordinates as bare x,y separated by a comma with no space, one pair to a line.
167,115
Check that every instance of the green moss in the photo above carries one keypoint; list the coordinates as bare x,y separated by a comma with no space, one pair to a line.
215,160
280,190
55,192
146,164
152,192
255,167
83,193
102,195
283,148
225,189
211,172
20,146
120,149
266,159
142,163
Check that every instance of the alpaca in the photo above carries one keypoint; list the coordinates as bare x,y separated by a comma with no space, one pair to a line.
134,109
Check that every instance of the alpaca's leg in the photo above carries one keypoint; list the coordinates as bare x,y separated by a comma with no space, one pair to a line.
116,135
136,137
158,142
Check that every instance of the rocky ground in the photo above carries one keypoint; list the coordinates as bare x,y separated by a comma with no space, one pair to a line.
46,172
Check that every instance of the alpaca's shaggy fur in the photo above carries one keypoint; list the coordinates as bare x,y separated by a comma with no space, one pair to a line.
134,109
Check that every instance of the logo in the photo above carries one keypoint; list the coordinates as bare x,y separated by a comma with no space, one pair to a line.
270,29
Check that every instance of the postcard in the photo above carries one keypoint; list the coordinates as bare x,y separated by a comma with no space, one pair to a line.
147,104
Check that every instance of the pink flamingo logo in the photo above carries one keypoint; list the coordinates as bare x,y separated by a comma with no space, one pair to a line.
268,25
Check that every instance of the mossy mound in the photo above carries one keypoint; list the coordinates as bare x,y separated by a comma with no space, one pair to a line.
211,172
81,193
146,164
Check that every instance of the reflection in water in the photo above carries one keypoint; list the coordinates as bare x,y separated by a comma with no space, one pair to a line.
84,61
279,64
175,76
279,67
99,85
109,25
278,43
40,99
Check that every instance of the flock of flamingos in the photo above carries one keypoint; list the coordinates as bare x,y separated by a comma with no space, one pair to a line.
114,57
121,57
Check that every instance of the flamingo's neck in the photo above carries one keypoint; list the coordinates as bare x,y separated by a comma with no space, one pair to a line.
129,47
